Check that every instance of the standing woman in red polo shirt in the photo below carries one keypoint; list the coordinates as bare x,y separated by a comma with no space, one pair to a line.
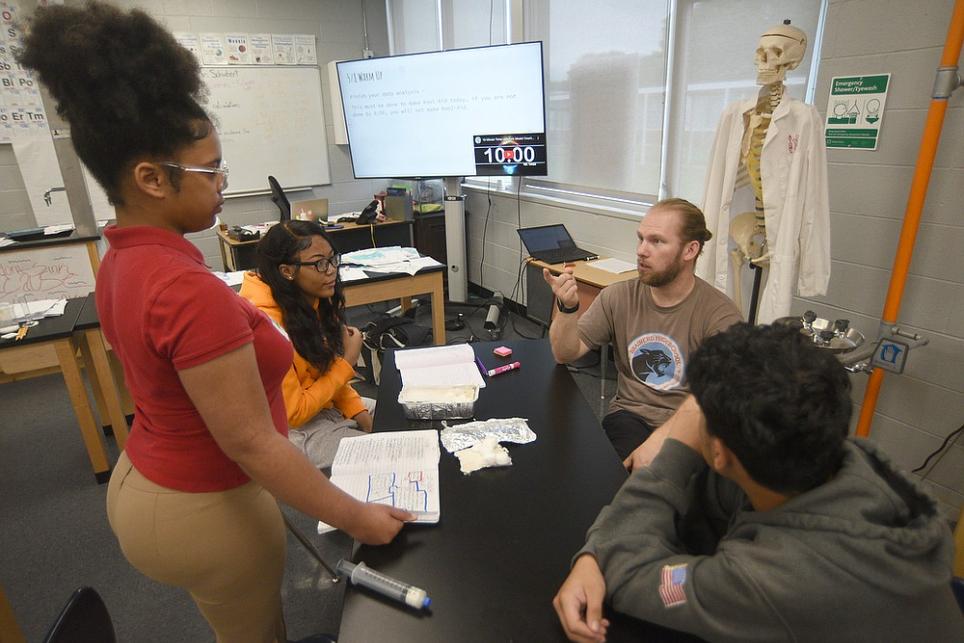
192,498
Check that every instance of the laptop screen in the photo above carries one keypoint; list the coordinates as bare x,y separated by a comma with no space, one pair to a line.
547,237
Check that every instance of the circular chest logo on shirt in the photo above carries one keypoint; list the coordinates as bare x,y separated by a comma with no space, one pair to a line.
656,361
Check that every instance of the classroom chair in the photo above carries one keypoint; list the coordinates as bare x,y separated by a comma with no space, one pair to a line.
279,199
84,618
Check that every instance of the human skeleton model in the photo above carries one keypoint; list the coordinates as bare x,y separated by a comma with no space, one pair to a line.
780,49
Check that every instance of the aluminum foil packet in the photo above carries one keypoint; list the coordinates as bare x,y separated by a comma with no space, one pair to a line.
462,436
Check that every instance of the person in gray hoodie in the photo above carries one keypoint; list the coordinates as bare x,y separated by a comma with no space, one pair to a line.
760,520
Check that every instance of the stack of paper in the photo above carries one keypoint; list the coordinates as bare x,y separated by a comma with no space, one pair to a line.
439,366
397,468
351,273
612,265
389,259
38,309
379,256
230,278
57,229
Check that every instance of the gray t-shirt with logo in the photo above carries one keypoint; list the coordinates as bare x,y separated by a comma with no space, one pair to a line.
652,344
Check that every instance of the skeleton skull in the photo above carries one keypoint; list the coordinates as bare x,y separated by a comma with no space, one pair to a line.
781,49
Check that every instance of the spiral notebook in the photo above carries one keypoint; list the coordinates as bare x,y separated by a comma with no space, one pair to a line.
397,468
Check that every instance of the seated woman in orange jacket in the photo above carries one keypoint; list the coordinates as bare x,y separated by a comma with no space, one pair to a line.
297,286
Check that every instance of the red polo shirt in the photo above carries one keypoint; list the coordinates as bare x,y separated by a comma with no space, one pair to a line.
162,310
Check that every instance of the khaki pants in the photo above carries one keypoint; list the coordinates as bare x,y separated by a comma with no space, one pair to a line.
226,548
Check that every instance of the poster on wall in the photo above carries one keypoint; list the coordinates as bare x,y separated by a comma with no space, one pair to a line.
25,126
190,42
237,48
213,49
305,51
284,49
855,111
260,44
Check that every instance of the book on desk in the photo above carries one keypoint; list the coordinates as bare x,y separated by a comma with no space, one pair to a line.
399,469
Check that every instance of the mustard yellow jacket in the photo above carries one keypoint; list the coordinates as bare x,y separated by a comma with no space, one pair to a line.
306,389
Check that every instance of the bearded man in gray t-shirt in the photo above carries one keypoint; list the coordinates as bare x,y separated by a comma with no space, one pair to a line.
654,324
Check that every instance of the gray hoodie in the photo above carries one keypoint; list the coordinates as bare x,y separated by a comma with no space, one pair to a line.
864,557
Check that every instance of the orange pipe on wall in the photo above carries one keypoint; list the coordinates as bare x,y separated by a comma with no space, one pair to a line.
912,215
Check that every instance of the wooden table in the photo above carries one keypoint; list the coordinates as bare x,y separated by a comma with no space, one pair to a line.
589,280
58,333
239,255
107,393
47,268
403,287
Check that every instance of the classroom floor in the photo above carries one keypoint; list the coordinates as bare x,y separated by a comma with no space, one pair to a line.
54,535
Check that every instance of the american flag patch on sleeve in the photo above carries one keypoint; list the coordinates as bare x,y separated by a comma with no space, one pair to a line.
672,585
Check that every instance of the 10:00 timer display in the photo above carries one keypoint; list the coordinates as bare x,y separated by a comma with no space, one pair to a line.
510,154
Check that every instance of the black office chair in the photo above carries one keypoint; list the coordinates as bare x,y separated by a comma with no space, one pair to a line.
84,619
279,199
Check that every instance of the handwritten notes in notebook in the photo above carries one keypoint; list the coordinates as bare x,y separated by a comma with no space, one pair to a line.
439,366
397,468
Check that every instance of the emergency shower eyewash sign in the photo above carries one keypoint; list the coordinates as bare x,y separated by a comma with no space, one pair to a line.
855,111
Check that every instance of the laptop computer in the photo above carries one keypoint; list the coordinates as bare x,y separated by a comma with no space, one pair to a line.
552,244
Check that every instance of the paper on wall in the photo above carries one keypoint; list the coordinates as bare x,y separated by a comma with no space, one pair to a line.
260,46
190,42
213,49
237,48
283,46
305,52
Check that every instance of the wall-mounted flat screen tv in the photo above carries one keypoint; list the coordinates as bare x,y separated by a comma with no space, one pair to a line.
461,112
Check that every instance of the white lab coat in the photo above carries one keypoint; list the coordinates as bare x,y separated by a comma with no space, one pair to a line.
795,200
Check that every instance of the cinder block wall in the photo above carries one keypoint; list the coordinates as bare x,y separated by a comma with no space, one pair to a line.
868,194
337,25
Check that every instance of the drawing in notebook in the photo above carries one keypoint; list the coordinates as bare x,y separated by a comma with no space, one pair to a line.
439,366
396,468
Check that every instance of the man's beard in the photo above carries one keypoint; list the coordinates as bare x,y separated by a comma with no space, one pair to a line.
664,277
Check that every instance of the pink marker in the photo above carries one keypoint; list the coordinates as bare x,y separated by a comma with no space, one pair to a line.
503,369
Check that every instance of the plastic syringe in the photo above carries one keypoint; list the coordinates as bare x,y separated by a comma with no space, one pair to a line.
365,576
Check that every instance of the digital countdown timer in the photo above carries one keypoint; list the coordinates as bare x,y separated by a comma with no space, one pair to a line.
510,154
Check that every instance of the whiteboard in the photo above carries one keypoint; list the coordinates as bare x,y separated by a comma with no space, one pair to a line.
270,121
45,272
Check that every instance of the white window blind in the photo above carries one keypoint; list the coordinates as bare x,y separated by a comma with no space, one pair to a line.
715,67
413,26
634,88
606,65
473,23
